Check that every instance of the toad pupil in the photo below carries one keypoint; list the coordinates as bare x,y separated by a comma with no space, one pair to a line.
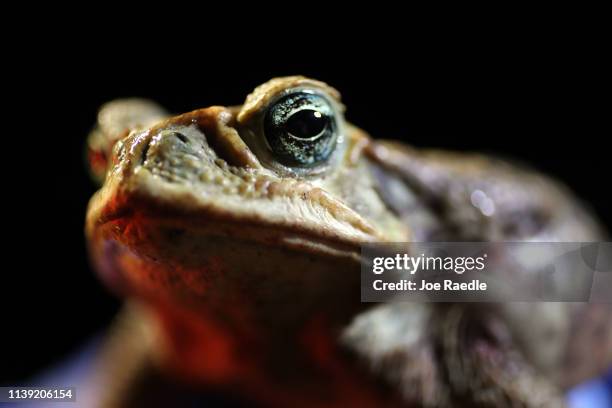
306,124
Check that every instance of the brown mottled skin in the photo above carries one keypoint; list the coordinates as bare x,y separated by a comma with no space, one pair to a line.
242,273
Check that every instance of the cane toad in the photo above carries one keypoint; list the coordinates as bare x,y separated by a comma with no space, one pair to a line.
235,233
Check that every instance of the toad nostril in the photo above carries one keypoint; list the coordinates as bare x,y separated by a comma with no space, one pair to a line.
181,137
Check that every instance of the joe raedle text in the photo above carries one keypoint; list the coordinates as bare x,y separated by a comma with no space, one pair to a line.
427,286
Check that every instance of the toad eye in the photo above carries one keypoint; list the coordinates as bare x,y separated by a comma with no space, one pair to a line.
300,129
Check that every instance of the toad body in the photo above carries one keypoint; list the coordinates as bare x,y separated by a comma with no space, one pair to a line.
234,233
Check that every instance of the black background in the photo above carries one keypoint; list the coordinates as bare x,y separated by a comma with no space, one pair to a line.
536,100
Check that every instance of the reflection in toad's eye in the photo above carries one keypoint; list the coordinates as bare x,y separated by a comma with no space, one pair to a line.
301,129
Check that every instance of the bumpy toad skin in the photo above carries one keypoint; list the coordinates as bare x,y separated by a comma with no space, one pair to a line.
248,267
